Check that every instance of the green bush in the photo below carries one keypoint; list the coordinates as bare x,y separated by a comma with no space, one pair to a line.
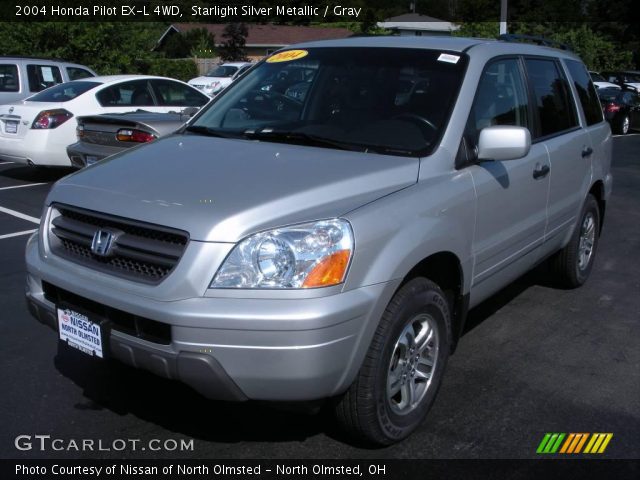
164,67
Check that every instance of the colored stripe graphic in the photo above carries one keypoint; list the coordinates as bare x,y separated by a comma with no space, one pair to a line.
550,443
574,442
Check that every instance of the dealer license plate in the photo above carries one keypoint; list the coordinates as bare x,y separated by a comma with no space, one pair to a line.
11,126
79,332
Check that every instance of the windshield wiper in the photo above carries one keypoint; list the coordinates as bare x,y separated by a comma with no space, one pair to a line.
302,138
212,132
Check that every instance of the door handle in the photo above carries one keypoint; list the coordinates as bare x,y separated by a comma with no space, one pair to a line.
541,171
586,151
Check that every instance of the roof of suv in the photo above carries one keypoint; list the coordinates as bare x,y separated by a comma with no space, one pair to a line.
454,44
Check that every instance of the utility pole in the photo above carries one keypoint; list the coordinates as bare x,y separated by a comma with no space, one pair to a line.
503,17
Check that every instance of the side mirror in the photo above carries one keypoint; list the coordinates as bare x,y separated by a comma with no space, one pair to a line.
503,142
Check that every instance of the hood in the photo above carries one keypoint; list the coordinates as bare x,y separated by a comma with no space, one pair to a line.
221,190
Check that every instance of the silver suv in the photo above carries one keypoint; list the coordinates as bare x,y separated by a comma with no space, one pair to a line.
324,238
21,77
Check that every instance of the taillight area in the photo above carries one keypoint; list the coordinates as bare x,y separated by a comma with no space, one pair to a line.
48,119
79,132
131,135
612,108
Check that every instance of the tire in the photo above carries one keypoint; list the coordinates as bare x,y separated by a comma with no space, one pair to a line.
572,265
370,410
623,125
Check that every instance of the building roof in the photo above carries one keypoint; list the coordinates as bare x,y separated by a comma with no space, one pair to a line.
267,35
416,21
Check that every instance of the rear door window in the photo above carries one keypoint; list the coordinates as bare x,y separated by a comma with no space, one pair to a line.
9,80
43,76
586,92
553,104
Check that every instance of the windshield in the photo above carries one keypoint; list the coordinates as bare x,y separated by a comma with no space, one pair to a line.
596,77
63,92
222,71
630,78
386,100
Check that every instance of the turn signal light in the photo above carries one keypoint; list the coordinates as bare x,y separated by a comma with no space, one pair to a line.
329,271
130,135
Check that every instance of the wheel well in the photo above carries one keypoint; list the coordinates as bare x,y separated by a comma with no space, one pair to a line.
597,190
444,269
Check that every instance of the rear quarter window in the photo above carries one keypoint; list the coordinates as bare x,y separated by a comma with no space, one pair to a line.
586,92
77,73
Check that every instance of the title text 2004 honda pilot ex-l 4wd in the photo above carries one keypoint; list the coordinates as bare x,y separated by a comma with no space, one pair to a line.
320,230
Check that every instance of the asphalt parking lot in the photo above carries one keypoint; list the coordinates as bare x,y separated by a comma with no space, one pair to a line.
534,359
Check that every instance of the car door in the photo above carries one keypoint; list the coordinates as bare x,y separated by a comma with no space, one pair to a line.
511,195
569,145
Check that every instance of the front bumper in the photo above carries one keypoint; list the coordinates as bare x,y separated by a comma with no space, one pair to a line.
232,348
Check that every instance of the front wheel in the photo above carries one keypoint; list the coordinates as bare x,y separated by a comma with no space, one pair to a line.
572,265
402,371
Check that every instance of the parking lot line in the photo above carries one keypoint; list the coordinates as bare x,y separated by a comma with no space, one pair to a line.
20,215
17,234
23,186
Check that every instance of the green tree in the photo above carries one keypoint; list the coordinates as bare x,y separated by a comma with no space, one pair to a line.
235,36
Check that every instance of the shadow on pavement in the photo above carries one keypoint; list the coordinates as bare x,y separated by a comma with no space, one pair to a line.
26,173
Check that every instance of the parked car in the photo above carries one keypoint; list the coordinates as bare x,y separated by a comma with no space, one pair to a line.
600,82
621,109
100,136
24,76
220,77
281,249
37,130
629,79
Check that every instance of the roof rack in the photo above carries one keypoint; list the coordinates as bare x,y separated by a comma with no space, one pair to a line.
546,42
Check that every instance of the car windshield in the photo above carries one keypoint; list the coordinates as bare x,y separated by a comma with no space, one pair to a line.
632,78
382,100
222,71
63,92
596,77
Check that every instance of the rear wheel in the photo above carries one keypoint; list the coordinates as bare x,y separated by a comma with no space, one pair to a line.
573,263
623,125
402,371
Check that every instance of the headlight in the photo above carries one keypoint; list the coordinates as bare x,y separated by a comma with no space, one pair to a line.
302,256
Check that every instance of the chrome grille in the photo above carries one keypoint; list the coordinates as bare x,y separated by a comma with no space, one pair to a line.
141,251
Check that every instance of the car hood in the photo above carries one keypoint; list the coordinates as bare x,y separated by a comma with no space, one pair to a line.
221,190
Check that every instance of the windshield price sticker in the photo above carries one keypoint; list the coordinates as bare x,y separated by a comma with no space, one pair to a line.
446,57
287,56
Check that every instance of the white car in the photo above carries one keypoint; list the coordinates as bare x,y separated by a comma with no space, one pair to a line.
600,82
220,77
37,130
